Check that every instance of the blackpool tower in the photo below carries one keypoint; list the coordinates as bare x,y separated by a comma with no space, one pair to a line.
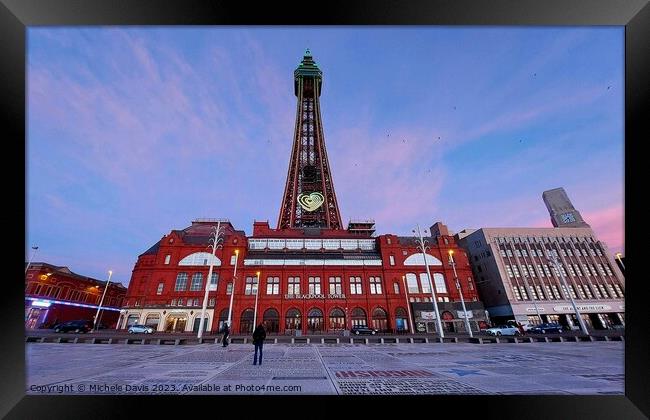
309,199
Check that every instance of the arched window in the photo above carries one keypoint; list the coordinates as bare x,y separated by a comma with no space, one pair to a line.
293,320
315,320
379,319
359,317
412,283
336,320
200,258
271,319
246,321
417,259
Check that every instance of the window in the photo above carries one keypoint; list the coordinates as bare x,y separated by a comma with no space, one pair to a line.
539,292
509,252
547,270
167,258
233,259
597,292
404,252
541,272
524,293
229,288
585,269
618,290
531,270
439,282
375,285
197,281
608,269
314,285
424,282
180,301
509,270
515,269
588,292
273,285
355,285
601,269
524,252
396,288
294,286
391,258
196,301
581,291
603,290
212,302
549,293
173,302
515,289
610,289
214,281
571,270
335,286
251,286
181,282
502,252
524,270
577,268
556,292
517,252
533,293
412,283
568,251
563,270
563,252
470,283
388,241
160,288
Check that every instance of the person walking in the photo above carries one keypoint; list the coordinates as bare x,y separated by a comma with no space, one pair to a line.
259,335
226,333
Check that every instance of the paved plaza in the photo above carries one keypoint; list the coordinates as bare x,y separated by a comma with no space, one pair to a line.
293,369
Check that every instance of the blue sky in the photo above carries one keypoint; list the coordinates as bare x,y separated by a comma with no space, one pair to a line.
135,131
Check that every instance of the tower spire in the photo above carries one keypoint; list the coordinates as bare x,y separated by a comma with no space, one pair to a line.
309,199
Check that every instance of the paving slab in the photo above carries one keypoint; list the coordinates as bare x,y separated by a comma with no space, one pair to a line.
585,368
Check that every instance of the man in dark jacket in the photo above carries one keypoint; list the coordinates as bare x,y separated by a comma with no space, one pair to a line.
259,335
226,333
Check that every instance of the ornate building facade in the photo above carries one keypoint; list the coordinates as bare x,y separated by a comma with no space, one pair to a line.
312,274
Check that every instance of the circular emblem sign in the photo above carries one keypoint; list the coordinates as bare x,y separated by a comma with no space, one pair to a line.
311,202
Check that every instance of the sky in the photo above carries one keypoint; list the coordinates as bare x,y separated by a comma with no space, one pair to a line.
135,131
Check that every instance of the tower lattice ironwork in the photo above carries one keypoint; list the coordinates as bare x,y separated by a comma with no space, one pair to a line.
309,199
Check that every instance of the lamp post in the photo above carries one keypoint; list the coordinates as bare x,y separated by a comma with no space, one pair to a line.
618,256
257,293
422,247
462,299
29,262
99,308
232,291
408,306
215,244
583,327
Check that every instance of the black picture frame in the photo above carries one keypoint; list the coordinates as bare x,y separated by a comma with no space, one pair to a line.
17,15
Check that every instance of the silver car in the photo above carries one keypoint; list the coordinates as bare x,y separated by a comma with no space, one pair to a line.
503,330
133,329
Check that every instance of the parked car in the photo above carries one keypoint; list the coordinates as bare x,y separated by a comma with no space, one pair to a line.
362,329
548,327
78,326
503,330
134,329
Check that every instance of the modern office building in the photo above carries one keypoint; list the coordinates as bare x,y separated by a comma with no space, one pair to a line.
517,278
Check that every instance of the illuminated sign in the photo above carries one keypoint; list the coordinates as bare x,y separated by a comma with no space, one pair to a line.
428,315
585,308
315,296
311,202
42,303
59,302
461,314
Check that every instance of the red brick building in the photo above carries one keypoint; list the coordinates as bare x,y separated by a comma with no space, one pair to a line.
315,275
55,294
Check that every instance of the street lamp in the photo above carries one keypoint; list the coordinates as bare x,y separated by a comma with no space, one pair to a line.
552,257
215,244
462,300
408,306
110,273
423,248
34,248
257,293
232,291
619,255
